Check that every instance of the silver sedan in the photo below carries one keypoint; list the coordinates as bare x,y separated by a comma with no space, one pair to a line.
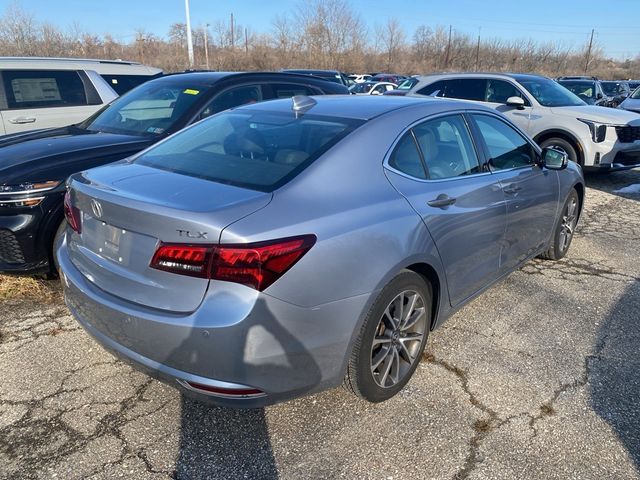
282,248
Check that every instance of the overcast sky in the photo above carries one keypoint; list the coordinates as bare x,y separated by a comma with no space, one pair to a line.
617,23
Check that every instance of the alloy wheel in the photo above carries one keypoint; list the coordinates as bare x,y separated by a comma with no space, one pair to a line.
568,225
398,338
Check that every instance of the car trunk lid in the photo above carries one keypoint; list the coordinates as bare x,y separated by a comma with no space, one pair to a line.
127,210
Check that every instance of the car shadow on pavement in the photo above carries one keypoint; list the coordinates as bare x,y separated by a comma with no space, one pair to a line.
623,184
614,371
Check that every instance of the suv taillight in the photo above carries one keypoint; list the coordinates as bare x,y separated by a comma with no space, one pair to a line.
72,214
256,265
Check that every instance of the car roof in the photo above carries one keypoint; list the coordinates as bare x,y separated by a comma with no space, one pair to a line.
112,67
364,107
498,75
310,70
210,78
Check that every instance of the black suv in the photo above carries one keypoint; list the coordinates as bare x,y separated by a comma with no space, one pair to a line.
34,165
588,89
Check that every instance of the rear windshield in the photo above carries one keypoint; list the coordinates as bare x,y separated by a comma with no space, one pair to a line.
253,149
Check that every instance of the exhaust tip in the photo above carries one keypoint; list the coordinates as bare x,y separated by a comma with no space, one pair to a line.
237,391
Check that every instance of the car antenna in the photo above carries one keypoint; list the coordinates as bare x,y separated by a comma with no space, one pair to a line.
302,103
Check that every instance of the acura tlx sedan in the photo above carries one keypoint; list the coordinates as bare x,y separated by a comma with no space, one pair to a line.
282,248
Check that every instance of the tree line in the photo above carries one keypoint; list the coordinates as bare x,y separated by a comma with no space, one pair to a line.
325,34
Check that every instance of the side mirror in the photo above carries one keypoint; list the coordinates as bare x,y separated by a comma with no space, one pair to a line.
554,159
599,96
515,102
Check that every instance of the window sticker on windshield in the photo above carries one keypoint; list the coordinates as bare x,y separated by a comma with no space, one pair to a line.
190,91
155,130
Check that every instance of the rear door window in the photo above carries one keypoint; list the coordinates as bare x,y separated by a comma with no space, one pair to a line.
43,88
460,88
406,157
287,90
233,97
447,147
253,149
499,91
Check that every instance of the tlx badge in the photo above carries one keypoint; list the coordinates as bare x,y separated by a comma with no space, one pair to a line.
188,234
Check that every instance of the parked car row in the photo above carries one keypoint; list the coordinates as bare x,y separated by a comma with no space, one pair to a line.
231,246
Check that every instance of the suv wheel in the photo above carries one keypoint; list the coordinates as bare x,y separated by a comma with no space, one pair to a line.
392,339
562,145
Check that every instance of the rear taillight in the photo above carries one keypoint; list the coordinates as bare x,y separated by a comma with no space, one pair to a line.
256,265
72,214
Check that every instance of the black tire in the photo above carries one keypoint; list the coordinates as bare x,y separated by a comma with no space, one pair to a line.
565,228
361,378
54,268
563,145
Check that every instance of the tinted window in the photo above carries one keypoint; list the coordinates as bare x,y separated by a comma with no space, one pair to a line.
123,83
286,90
252,149
466,88
406,157
43,89
507,148
436,89
499,91
150,109
447,147
234,97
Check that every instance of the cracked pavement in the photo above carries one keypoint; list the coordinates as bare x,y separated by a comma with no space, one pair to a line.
537,378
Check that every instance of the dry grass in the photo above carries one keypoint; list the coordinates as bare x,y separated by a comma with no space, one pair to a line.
23,288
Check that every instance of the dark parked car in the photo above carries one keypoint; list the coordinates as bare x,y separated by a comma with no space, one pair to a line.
617,91
34,165
330,75
590,91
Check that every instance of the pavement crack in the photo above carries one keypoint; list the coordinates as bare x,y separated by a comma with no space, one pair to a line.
481,427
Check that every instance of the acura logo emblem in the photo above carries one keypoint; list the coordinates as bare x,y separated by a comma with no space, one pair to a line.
96,208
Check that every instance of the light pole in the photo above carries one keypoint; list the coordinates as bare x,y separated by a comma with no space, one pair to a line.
189,39
206,45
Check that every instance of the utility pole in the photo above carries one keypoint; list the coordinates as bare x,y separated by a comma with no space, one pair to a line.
206,45
246,41
478,50
446,58
189,38
586,64
232,35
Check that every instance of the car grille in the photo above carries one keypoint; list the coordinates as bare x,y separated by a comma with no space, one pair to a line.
10,251
628,134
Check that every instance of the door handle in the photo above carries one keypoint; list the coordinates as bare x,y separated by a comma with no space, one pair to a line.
20,120
441,201
511,189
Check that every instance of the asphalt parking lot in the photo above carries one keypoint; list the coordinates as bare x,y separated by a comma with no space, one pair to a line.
538,378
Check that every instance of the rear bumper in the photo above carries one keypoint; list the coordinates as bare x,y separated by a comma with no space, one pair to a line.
237,336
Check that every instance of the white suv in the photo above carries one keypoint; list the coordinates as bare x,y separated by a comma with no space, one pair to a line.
54,92
598,138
